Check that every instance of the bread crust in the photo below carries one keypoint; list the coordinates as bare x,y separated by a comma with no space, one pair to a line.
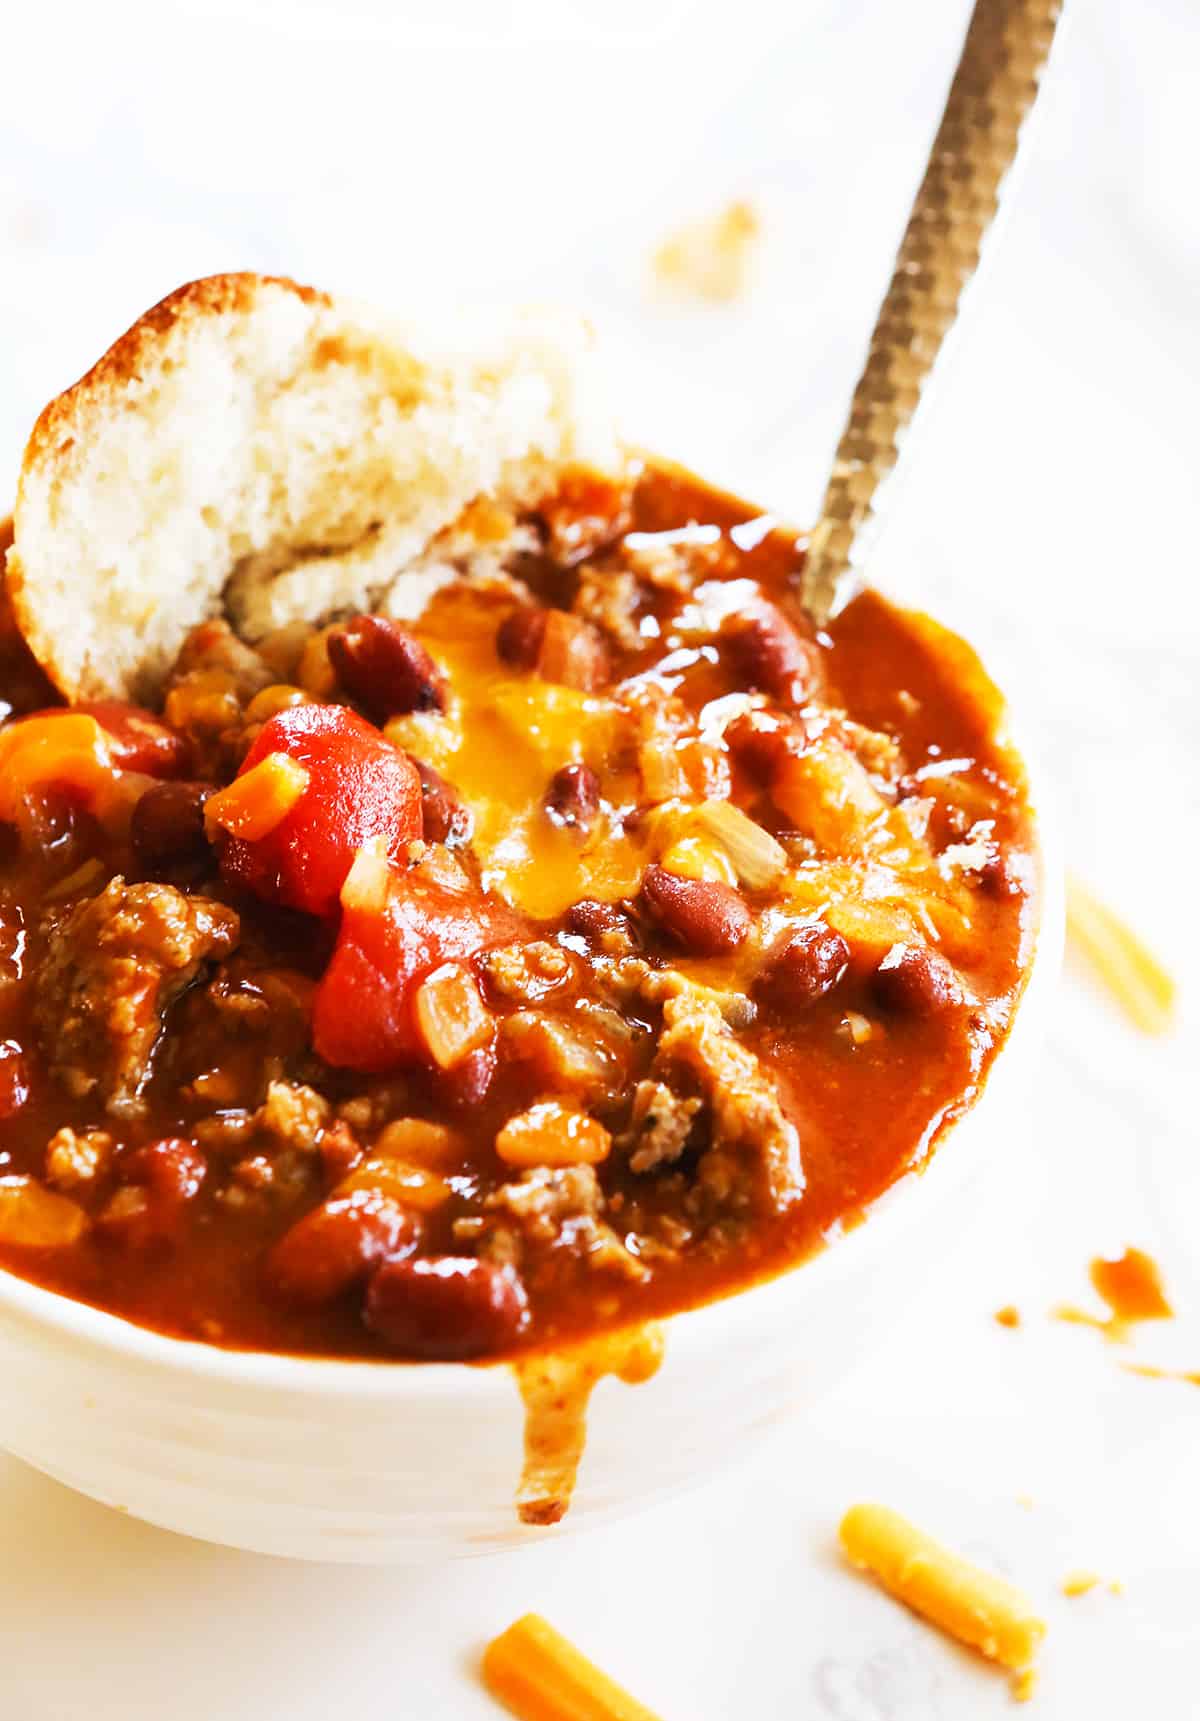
69,579
211,295
64,417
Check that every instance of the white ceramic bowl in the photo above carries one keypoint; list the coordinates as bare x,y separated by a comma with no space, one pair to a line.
376,1462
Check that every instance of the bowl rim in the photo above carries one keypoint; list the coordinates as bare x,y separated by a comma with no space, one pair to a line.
742,1314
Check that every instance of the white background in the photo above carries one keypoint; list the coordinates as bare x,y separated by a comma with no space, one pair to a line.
527,150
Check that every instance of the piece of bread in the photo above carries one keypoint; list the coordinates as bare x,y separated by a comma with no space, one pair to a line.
256,449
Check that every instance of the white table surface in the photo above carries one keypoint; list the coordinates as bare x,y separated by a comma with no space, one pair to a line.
523,151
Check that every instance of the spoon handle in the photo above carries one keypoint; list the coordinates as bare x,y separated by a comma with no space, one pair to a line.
994,87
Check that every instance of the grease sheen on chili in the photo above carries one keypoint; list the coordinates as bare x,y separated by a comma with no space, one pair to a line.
590,947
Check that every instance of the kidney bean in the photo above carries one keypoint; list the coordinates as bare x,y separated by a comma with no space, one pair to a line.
465,1087
573,798
802,965
14,1078
446,1308
444,818
336,1246
60,824
519,636
914,980
171,1169
139,742
340,1151
769,653
385,667
157,1183
707,916
595,920
573,653
167,826
586,512
761,741
998,877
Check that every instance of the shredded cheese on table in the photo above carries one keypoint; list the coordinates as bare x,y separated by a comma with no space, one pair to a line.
1130,972
540,1676
967,1603
711,259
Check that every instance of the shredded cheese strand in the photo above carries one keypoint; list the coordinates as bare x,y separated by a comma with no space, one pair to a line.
540,1676
962,1600
1132,974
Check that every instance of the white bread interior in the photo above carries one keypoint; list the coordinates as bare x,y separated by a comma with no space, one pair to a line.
256,449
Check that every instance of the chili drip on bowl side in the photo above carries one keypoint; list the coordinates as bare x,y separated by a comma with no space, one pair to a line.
590,947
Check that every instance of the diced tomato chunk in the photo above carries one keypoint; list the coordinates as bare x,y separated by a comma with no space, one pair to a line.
359,787
363,1015
138,741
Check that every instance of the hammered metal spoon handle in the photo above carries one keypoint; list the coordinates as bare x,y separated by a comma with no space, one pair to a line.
994,87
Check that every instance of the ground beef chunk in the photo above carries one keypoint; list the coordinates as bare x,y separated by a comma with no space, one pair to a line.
562,1051
75,1158
232,1035
283,1146
671,566
587,511
659,985
112,966
659,1126
546,1211
608,927
214,679
214,649
294,1115
610,598
527,973
245,998
750,1132
621,978
877,752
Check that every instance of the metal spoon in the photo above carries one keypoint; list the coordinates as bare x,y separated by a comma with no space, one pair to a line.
994,87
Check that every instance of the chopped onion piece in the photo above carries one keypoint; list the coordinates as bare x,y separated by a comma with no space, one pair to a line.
33,1217
452,1019
663,774
259,799
757,858
369,879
